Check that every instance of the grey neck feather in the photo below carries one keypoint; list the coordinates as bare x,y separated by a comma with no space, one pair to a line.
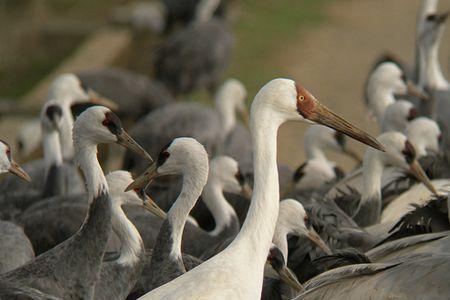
193,182
223,213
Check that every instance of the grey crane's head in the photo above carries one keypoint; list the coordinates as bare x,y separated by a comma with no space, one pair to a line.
224,171
432,29
183,156
325,138
425,135
401,153
388,77
230,98
98,125
70,89
118,181
7,163
293,219
398,115
51,116
282,100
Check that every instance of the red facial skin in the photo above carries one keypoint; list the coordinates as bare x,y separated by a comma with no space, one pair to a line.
305,102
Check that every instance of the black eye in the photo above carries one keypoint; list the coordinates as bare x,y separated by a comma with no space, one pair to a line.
307,222
409,153
113,123
140,192
239,177
298,174
162,157
432,17
84,86
275,258
53,111
403,77
412,114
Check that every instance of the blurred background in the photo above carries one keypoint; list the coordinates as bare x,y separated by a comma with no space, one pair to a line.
326,45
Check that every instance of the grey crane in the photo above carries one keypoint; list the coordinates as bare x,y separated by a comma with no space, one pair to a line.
58,270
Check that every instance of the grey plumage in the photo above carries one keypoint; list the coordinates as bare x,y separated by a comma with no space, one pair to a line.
195,57
135,94
162,125
15,247
58,270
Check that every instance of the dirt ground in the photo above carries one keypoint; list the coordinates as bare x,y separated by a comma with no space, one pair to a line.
332,60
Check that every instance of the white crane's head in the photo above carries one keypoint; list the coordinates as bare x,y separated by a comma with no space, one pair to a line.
326,138
432,29
118,181
401,153
425,135
7,163
51,116
224,171
97,125
397,116
283,100
69,89
183,156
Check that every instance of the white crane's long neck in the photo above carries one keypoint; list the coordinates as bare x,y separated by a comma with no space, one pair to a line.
52,148
86,156
430,74
227,113
130,239
193,182
66,133
381,98
372,172
255,237
221,210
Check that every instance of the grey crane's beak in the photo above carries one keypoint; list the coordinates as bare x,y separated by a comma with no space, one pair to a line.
317,240
143,179
288,277
419,173
18,171
413,90
152,207
311,109
124,139
96,98
246,191
353,154
443,17
245,117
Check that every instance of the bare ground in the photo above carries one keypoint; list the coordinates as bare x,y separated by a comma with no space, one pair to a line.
333,59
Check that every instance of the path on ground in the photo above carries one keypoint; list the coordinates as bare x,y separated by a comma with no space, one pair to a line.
333,58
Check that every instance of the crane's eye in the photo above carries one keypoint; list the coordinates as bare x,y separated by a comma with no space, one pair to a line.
239,177
112,122
432,17
307,222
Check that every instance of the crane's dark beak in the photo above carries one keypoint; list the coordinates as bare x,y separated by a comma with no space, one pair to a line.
311,109
143,179
18,171
442,17
152,207
96,98
288,277
419,173
124,139
413,90
317,240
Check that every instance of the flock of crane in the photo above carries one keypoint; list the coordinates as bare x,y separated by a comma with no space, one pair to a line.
202,210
